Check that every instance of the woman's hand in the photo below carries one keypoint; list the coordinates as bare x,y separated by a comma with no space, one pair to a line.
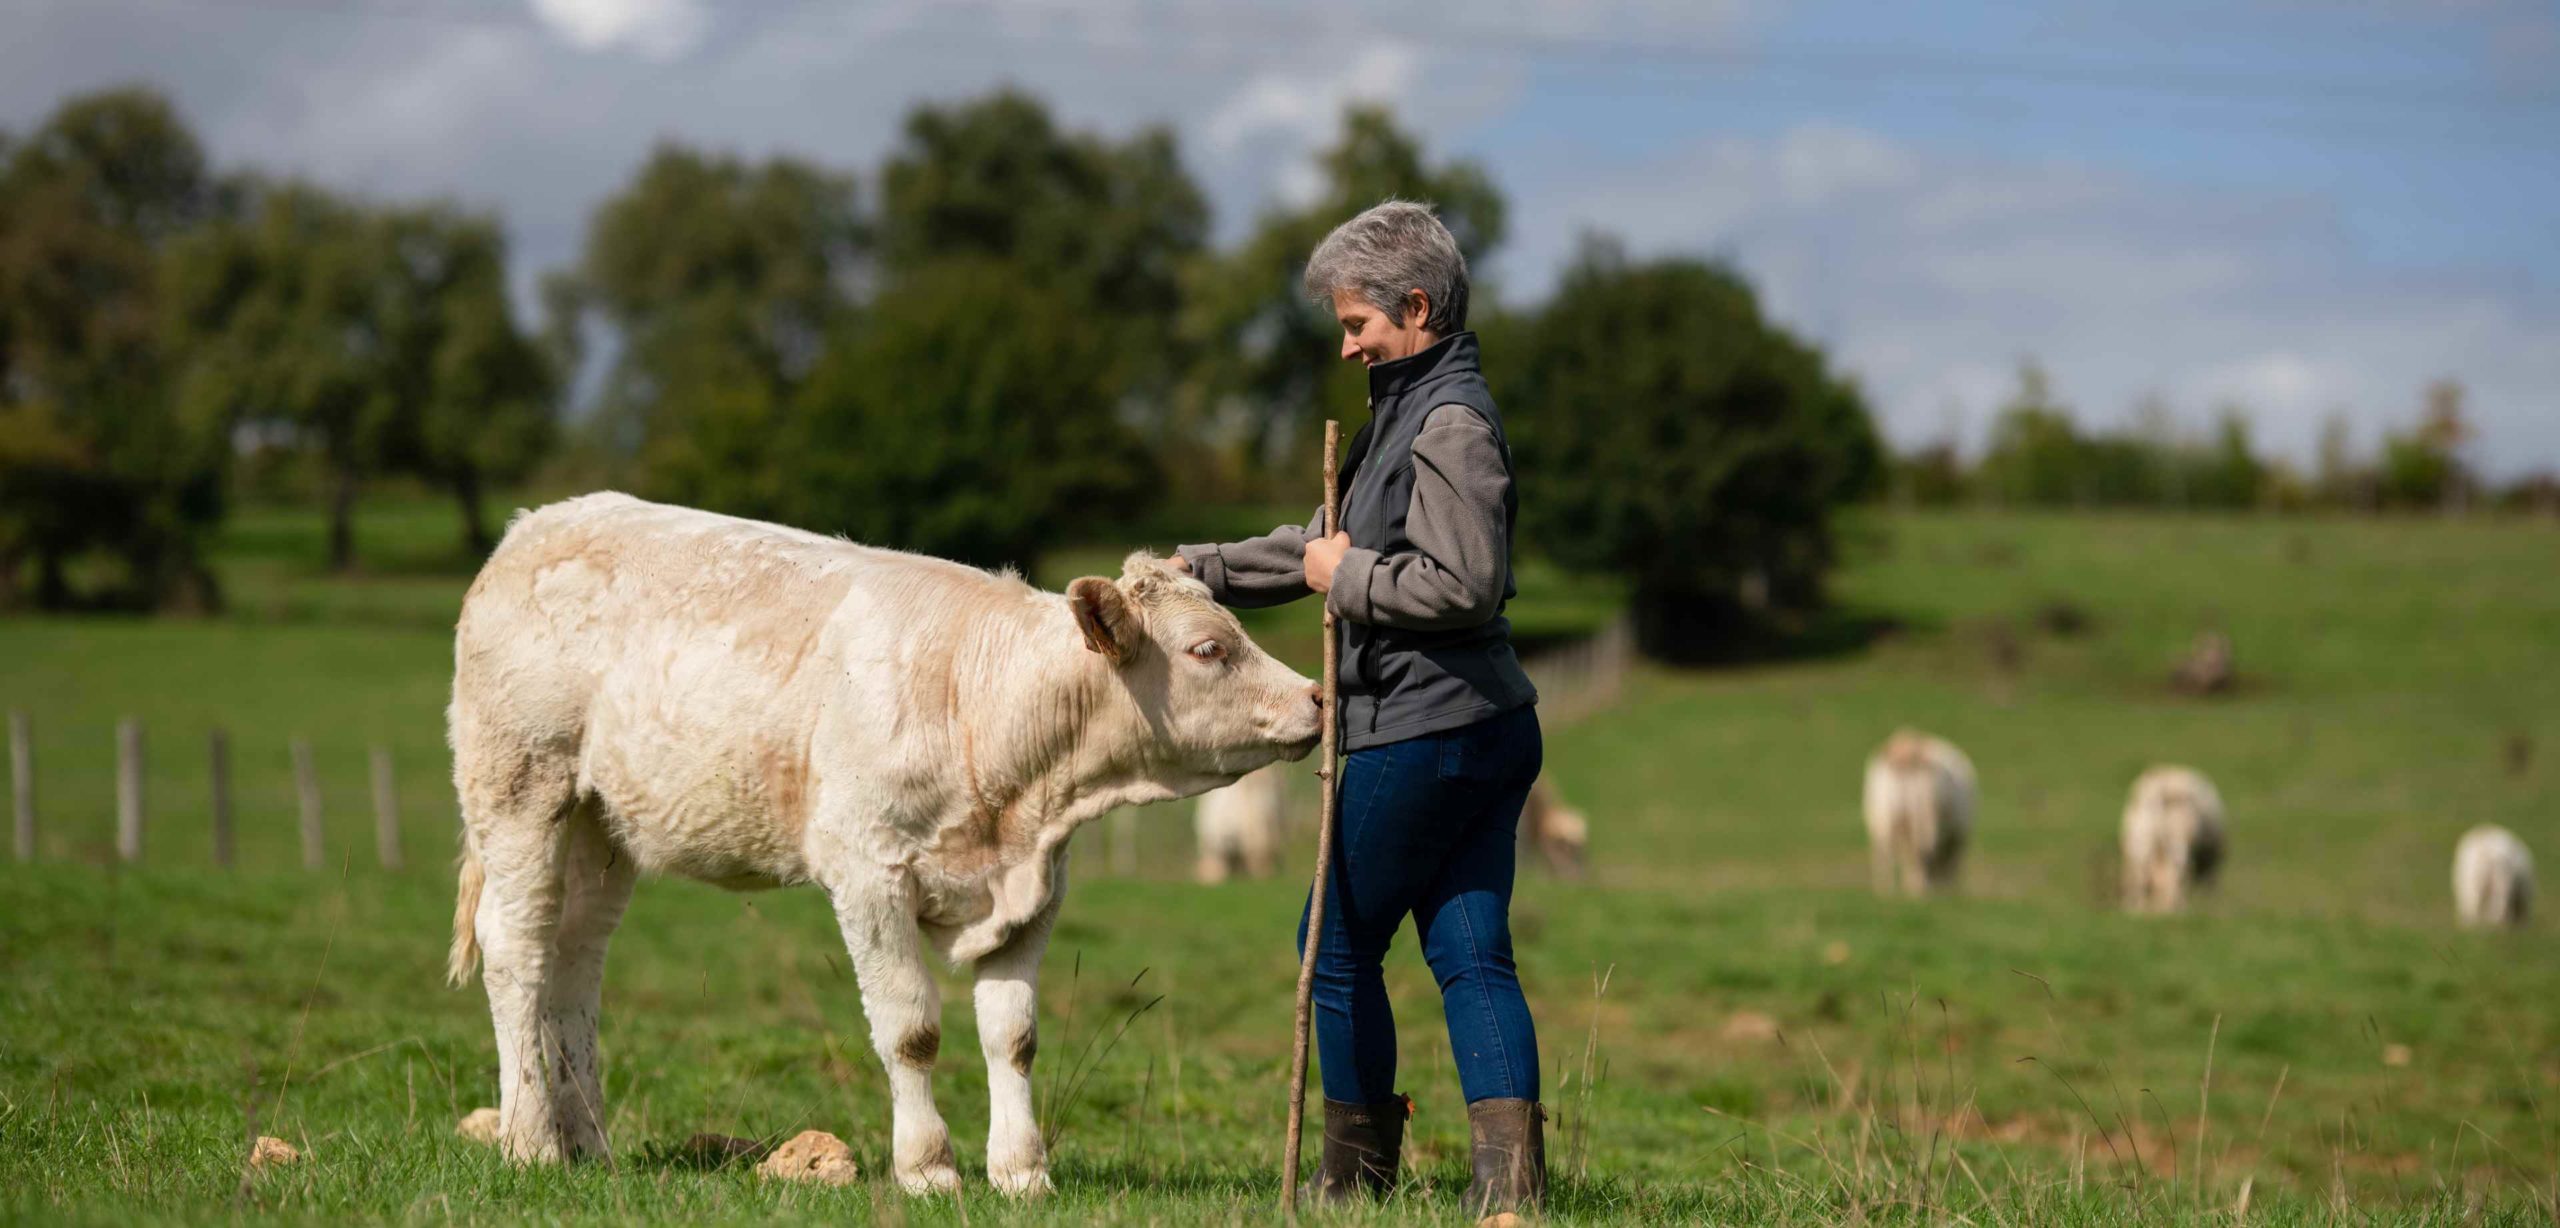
1323,555
1179,563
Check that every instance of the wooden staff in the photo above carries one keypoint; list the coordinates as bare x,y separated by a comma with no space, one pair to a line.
1326,763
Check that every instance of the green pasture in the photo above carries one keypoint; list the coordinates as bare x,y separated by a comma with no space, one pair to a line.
1734,1030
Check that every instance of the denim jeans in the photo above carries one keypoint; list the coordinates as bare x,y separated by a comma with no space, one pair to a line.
1427,828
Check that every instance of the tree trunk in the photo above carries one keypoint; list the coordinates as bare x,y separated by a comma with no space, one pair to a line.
12,557
342,517
53,590
475,527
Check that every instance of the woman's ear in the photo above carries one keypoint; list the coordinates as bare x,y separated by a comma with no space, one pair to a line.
1110,624
1417,308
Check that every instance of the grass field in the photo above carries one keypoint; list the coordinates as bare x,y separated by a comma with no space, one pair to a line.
2317,1042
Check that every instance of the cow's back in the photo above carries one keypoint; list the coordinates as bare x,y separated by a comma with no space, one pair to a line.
682,659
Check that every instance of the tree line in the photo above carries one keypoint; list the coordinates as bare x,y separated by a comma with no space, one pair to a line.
2038,455
1005,335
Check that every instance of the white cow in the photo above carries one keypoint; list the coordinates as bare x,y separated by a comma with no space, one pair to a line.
1556,834
1240,827
649,688
2492,877
2172,838
1919,807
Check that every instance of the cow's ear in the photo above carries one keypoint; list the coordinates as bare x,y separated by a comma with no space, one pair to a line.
1103,613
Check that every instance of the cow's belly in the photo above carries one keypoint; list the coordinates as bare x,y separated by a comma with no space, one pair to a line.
680,801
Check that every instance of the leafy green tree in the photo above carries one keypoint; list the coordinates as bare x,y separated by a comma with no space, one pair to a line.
478,397
967,415
1265,357
2035,452
1669,432
718,283
92,456
382,337
2423,467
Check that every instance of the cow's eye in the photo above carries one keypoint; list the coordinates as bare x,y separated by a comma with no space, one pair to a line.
1208,650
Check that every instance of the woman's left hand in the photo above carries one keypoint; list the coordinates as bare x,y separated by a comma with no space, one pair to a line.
1323,555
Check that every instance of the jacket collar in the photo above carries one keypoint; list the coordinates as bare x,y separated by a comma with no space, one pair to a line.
1450,355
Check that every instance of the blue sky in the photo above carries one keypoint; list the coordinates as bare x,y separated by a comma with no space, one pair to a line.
2302,208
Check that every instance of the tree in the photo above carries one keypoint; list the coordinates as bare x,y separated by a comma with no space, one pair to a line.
1264,355
965,414
281,320
1669,432
719,283
2423,468
92,456
2034,455
478,397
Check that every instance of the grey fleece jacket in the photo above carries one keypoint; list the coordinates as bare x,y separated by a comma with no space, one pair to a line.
1454,579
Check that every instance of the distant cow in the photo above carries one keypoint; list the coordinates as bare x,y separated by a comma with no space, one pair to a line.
1554,833
1919,807
648,688
2492,877
2172,838
1240,827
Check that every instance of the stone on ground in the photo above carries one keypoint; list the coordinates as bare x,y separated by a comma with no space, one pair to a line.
271,1152
481,1126
811,1155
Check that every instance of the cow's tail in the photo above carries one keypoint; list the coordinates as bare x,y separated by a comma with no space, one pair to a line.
466,911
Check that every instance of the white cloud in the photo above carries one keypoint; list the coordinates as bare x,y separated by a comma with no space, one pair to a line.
656,29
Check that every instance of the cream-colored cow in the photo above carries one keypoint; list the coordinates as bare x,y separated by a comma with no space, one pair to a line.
1556,834
2172,838
1919,808
1239,828
648,688
2492,878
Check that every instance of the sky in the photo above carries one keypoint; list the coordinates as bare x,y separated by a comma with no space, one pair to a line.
2303,208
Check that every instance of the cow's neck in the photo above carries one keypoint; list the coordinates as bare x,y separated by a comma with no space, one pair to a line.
1047,736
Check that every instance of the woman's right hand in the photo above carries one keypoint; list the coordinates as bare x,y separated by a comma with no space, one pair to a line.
1180,563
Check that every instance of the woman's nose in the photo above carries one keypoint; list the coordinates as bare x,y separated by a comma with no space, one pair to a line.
1350,346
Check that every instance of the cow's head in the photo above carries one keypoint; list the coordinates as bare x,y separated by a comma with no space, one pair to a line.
1216,706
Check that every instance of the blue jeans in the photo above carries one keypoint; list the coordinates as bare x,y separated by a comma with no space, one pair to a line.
1427,828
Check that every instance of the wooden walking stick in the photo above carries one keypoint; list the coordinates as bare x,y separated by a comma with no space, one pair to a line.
1327,765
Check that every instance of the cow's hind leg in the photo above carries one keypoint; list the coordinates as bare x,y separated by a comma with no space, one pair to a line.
905,1008
596,881
515,802
1008,1001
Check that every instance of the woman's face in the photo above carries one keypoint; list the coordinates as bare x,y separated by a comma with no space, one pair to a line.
1371,336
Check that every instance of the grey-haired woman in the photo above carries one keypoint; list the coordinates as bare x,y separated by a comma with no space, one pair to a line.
1439,723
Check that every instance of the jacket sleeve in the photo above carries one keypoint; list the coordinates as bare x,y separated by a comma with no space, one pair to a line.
1258,571
1455,574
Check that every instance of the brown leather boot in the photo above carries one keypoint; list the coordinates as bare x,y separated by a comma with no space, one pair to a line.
1510,1157
1363,1147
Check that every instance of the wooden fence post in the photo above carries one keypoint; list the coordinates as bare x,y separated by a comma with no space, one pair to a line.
221,777
129,789
22,784
386,811
306,786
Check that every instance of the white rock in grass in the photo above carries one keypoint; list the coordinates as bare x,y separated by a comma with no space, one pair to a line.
481,1126
271,1152
812,1155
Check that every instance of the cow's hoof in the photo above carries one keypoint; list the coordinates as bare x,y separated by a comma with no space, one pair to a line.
1020,1182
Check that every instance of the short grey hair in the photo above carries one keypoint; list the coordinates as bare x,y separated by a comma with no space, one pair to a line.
1392,249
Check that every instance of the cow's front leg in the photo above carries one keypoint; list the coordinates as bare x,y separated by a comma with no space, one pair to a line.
1008,1002
905,1009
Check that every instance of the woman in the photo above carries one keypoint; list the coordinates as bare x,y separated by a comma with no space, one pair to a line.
1438,720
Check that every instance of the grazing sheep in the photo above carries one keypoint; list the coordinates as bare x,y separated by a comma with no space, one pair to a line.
2173,839
2492,878
1239,827
1919,804
1553,832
